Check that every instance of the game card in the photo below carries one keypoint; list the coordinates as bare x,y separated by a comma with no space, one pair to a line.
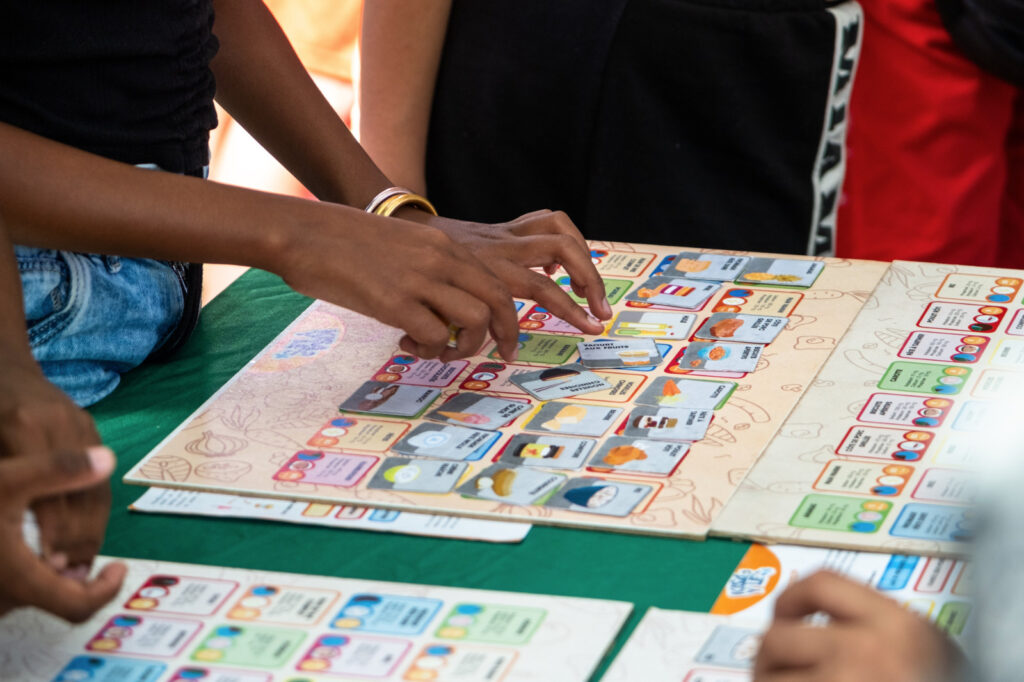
622,387
445,441
181,595
905,410
689,393
916,377
387,614
512,485
560,382
652,325
1016,327
880,443
841,513
326,468
620,263
639,456
933,522
464,664
676,366
961,286
624,353
104,669
249,646
967,451
730,647
599,496
720,356
997,384
414,371
961,317
417,475
614,289
781,272
864,478
985,418
496,378
674,292
144,635
548,452
354,655
757,302
358,433
378,397
508,625
668,423
707,266
1008,353
741,328
205,674
943,347
478,411
543,349
947,485
572,419
283,605
538,319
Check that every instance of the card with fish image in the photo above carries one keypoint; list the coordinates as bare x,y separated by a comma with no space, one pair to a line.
639,456
512,485
674,292
702,394
652,325
395,400
781,272
573,419
553,383
721,356
599,496
604,353
717,267
741,328
404,474
478,411
546,452
668,423
445,441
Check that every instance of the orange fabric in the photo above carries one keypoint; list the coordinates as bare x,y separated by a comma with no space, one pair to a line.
324,33
936,148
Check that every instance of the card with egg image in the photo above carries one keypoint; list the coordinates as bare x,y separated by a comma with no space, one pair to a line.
512,485
741,328
403,474
553,383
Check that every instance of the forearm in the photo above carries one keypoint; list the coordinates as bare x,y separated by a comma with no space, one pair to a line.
401,49
14,347
264,86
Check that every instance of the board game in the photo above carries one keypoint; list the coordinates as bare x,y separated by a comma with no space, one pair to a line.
883,451
181,623
647,430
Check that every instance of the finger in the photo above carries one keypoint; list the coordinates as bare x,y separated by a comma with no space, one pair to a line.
27,477
790,645
469,314
68,598
426,333
586,281
482,284
830,593
74,523
549,222
551,296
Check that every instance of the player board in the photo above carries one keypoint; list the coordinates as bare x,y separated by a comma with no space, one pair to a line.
185,623
707,360
882,451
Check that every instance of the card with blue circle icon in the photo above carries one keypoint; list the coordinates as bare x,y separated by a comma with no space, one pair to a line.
493,623
403,474
354,655
919,377
386,614
668,423
248,646
110,669
144,635
730,647
546,452
864,478
941,347
934,522
396,400
282,605
719,267
196,673
674,292
475,664
599,496
720,356
446,441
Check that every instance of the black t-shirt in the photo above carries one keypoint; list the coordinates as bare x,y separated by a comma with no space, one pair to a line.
126,79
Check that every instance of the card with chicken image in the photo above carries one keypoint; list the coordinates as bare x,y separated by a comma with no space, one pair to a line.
396,400
639,456
721,356
572,419
599,496
478,411
691,393
781,272
668,423
547,452
708,266
512,485
741,328
566,381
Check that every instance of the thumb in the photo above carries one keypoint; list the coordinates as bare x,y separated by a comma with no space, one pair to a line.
28,477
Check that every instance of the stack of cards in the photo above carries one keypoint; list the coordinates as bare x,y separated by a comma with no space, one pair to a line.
626,353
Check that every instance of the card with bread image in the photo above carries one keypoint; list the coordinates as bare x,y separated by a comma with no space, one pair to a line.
396,400
668,423
721,356
553,383
718,267
640,324
405,474
446,441
546,452
639,456
572,419
592,495
512,485
703,394
478,411
605,353
674,292
781,272
741,328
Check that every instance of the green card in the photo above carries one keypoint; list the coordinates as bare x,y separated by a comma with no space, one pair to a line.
246,645
920,377
545,349
488,623
614,288
847,514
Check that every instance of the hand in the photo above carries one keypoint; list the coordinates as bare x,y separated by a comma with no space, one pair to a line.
37,419
540,239
868,637
25,578
409,276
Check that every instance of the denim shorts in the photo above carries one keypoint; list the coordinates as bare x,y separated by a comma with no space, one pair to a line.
91,318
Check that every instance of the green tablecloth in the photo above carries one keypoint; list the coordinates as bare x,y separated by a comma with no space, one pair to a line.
152,400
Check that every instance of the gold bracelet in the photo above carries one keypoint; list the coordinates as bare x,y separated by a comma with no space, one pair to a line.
397,201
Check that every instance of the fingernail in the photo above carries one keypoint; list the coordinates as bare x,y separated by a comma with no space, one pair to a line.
515,355
79,572
101,458
593,320
58,561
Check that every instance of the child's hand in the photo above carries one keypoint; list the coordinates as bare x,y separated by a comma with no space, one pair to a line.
868,637
38,420
27,579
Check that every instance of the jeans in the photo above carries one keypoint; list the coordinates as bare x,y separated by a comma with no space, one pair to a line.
90,318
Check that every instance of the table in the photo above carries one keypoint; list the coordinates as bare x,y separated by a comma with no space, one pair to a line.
152,400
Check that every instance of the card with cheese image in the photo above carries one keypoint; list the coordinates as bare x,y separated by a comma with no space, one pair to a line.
572,419
512,485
